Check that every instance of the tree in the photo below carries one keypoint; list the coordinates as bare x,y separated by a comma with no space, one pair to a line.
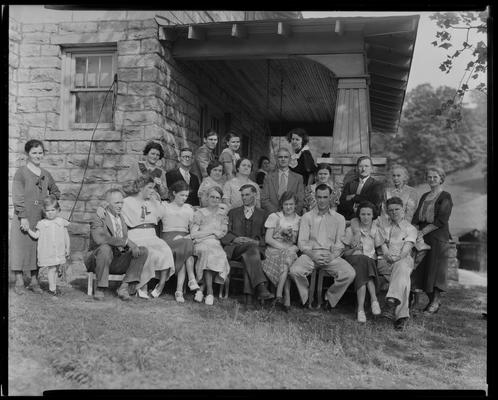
476,68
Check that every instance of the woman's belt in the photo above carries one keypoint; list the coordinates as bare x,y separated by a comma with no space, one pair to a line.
143,226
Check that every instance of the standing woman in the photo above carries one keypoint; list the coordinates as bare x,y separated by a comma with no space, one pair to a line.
231,189
141,212
431,219
151,164
177,220
323,175
282,229
31,185
301,160
215,178
263,169
399,188
229,156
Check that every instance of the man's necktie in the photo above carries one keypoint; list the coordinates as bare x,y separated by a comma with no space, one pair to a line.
282,185
360,186
119,230
187,177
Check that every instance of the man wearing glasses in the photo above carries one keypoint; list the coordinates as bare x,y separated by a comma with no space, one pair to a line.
183,173
280,181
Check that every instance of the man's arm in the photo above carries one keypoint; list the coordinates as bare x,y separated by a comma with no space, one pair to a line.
230,236
100,235
265,196
300,194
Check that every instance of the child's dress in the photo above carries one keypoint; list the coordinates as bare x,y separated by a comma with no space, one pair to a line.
52,241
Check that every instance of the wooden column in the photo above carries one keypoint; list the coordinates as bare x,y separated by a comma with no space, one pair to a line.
351,134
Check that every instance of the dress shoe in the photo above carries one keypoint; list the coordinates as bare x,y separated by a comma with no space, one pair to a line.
209,300
283,307
20,290
132,289
389,310
375,308
99,294
179,297
142,294
193,285
432,308
123,293
198,296
155,293
263,293
35,288
400,324
54,293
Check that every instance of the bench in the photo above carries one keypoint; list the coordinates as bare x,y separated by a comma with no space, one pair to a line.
92,281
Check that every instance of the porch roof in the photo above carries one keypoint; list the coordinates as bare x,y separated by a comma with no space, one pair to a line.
386,43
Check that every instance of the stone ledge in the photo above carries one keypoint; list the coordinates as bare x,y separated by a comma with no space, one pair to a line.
79,135
349,160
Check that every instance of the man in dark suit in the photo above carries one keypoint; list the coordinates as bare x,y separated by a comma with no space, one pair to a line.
110,250
245,241
280,181
362,188
183,173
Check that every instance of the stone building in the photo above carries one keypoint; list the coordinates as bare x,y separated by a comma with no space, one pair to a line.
180,72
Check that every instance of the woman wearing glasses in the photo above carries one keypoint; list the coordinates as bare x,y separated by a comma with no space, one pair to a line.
31,184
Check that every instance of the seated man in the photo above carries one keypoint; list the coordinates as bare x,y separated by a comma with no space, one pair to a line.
245,241
320,235
399,236
110,250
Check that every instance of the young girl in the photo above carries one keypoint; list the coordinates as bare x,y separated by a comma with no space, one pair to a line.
229,156
53,241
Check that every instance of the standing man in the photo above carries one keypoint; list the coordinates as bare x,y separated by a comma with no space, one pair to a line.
245,241
363,188
205,154
183,173
280,181
320,235
399,236
111,252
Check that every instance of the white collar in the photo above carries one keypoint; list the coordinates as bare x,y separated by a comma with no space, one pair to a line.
283,171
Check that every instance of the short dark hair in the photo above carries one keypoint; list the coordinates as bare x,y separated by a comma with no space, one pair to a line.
239,161
261,159
248,186
367,204
287,195
186,149
179,186
361,158
324,166
141,182
213,164
154,145
209,132
299,132
323,186
33,143
231,134
394,200
51,200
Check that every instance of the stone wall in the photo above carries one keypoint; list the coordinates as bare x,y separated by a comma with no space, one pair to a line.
156,99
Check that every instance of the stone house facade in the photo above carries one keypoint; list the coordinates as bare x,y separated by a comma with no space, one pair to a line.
155,98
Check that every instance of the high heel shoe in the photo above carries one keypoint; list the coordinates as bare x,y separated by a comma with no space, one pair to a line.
155,293
142,294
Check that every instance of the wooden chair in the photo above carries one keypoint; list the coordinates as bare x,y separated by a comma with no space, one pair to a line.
318,283
92,281
238,268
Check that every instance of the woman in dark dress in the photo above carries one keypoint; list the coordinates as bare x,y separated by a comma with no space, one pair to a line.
301,161
431,219
31,185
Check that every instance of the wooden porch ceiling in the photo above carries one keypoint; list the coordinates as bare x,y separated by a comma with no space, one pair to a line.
241,50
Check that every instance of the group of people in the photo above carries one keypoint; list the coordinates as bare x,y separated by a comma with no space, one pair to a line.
195,219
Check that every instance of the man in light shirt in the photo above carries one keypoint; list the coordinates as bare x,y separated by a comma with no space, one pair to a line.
320,234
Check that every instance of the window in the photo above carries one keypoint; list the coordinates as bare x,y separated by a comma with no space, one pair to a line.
245,146
88,74
215,124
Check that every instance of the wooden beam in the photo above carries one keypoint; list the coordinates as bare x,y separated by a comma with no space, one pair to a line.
239,31
389,95
338,27
387,82
386,72
385,107
342,65
284,29
169,34
313,128
196,33
266,46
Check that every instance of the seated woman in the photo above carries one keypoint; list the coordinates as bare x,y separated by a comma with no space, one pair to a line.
323,175
177,220
215,178
141,213
209,226
362,258
263,169
152,165
282,229
231,189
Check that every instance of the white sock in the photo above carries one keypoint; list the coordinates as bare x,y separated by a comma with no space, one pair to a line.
52,278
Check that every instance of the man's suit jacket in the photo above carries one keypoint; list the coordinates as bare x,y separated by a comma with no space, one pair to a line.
269,194
372,191
175,175
237,227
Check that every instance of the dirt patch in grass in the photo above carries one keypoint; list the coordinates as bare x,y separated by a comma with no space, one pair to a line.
75,342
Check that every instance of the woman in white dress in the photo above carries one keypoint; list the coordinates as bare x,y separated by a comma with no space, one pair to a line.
231,189
141,213
215,178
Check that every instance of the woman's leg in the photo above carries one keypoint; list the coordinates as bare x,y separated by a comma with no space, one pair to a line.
189,264
287,292
52,278
180,279
19,278
436,296
371,290
162,281
34,277
281,283
208,279
360,296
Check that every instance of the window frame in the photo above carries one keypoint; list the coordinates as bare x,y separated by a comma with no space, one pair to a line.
68,97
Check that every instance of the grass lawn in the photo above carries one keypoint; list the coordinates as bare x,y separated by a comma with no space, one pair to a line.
76,343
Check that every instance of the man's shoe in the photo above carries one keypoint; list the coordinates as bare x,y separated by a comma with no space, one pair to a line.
400,324
35,288
99,294
123,293
198,296
209,300
263,293
389,310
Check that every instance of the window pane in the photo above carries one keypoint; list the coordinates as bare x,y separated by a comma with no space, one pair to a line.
88,107
79,79
105,71
93,71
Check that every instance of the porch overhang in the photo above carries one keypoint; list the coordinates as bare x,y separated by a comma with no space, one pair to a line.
379,49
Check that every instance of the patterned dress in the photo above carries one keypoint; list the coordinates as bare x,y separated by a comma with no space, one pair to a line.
209,250
28,191
278,261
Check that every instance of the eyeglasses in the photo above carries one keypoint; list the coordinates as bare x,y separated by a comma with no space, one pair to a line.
215,197
186,157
